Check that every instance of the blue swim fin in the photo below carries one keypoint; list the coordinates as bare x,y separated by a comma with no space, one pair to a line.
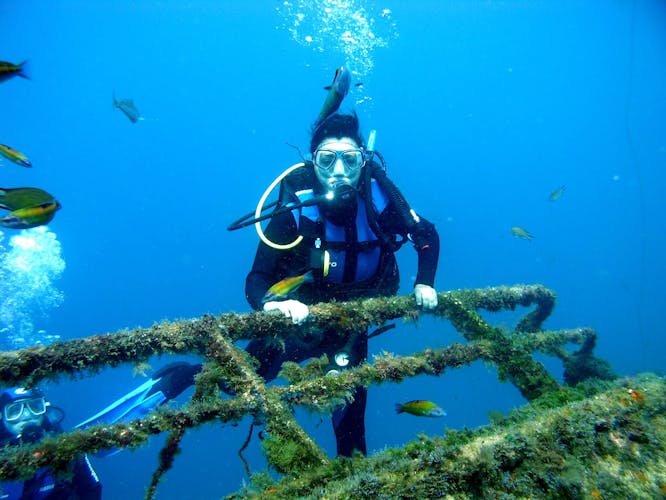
167,383
133,405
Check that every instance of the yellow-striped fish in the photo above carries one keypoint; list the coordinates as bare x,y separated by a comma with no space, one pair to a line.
25,218
16,198
283,288
420,408
14,156
9,70
521,233
555,195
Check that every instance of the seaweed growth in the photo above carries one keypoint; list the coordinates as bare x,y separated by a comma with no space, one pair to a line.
495,460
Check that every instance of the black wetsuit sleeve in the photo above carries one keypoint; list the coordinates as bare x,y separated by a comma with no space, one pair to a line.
396,219
174,378
426,242
269,262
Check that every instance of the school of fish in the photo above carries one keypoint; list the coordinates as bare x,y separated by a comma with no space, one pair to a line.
28,206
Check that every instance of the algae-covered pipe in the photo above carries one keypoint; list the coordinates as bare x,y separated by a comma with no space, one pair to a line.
92,354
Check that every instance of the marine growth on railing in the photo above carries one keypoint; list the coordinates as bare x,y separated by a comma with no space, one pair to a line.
288,448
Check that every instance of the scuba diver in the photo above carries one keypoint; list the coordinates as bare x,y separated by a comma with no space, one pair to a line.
333,235
27,417
337,224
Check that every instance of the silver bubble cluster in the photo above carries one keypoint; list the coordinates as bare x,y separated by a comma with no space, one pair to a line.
29,266
351,27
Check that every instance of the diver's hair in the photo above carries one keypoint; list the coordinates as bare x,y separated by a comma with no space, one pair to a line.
337,125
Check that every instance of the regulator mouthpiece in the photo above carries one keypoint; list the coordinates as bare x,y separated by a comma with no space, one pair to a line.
341,192
31,434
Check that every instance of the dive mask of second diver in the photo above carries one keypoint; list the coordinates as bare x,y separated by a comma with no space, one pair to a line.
13,411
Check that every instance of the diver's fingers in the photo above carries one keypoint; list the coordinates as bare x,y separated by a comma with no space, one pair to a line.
426,296
278,306
299,312
418,294
431,301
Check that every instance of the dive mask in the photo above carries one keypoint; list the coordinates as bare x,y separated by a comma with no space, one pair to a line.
13,411
325,159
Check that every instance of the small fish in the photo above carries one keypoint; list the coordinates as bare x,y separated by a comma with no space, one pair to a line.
25,218
283,288
555,195
420,408
128,108
521,233
17,198
15,156
336,93
9,70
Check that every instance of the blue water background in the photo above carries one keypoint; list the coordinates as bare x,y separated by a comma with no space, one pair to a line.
482,108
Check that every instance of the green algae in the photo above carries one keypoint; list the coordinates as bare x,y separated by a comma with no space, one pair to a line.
514,457
608,445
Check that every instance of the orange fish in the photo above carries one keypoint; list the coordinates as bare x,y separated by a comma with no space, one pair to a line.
283,288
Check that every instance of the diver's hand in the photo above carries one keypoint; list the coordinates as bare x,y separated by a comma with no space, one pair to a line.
426,296
297,311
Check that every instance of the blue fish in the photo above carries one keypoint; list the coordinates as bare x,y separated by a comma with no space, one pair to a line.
128,108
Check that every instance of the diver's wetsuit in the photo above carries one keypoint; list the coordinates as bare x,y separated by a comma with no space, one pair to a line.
271,265
83,485
79,482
